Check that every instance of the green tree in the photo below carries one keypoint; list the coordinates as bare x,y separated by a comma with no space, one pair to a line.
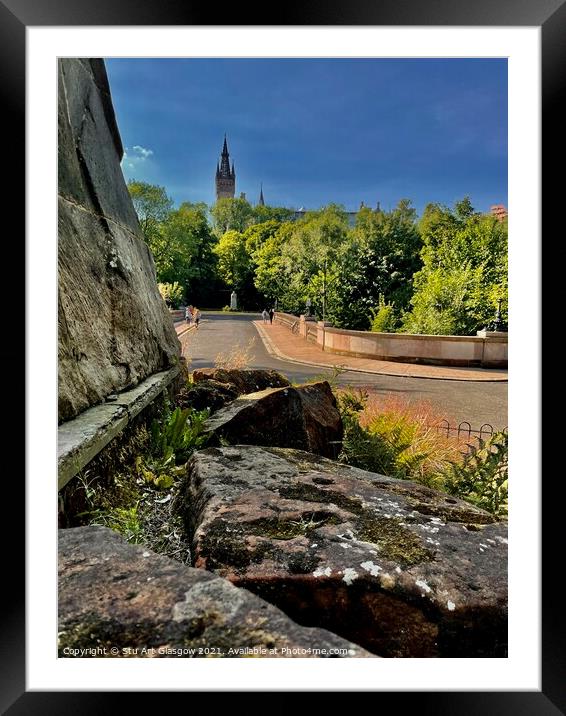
464,271
184,232
234,262
310,258
189,258
172,293
270,276
257,234
152,205
231,215
439,306
180,239
377,264
261,214
384,318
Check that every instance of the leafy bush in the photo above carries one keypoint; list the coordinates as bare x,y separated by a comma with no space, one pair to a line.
464,272
359,448
399,440
395,438
482,476
226,309
384,318
440,305
172,293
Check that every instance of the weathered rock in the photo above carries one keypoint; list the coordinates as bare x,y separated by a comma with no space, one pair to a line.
243,381
116,595
114,327
399,568
209,394
305,417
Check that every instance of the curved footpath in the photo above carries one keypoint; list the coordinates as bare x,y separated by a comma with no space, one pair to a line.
280,342
475,395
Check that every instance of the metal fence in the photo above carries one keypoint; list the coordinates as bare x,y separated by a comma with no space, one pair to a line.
464,433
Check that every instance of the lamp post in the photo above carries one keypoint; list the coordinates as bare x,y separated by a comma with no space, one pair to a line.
324,292
497,321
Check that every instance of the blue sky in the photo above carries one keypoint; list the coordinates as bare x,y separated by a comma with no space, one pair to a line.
316,131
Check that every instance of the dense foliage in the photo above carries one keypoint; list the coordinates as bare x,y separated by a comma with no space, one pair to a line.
482,477
391,271
464,271
401,440
172,293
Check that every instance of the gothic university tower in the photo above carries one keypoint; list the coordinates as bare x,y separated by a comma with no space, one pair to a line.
225,177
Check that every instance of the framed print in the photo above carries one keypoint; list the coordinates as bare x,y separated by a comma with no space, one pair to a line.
111,67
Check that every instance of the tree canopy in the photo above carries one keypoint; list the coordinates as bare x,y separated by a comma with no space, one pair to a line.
392,271
464,271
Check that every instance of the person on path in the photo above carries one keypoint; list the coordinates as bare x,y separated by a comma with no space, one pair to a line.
188,315
271,314
265,315
196,316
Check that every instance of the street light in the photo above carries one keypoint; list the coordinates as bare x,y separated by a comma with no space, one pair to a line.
497,322
324,291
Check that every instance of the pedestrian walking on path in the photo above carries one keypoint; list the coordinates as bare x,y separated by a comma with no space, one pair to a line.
265,315
188,314
196,316
271,314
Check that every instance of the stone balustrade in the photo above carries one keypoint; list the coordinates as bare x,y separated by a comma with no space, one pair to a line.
487,349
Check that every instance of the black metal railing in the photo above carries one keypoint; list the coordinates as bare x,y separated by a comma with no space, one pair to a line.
464,433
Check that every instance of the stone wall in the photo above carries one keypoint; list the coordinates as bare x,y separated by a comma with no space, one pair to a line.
114,327
486,350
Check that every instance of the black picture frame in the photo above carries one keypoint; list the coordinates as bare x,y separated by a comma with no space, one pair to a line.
15,16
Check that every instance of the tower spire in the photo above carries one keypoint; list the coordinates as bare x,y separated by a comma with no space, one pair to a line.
261,199
225,175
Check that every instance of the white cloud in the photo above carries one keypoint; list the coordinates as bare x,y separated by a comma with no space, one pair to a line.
142,152
134,158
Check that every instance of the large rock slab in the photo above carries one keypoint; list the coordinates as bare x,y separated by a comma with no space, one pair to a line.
305,417
242,380
114,327
399,568
207,394
117,599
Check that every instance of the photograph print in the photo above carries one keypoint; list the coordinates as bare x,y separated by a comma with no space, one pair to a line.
282,357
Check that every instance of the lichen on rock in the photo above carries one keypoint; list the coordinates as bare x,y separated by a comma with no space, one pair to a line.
122,600
339,547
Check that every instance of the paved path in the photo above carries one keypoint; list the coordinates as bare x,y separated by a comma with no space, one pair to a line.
281,342
478,402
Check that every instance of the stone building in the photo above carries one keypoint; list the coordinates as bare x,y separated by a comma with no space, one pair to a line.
225,176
